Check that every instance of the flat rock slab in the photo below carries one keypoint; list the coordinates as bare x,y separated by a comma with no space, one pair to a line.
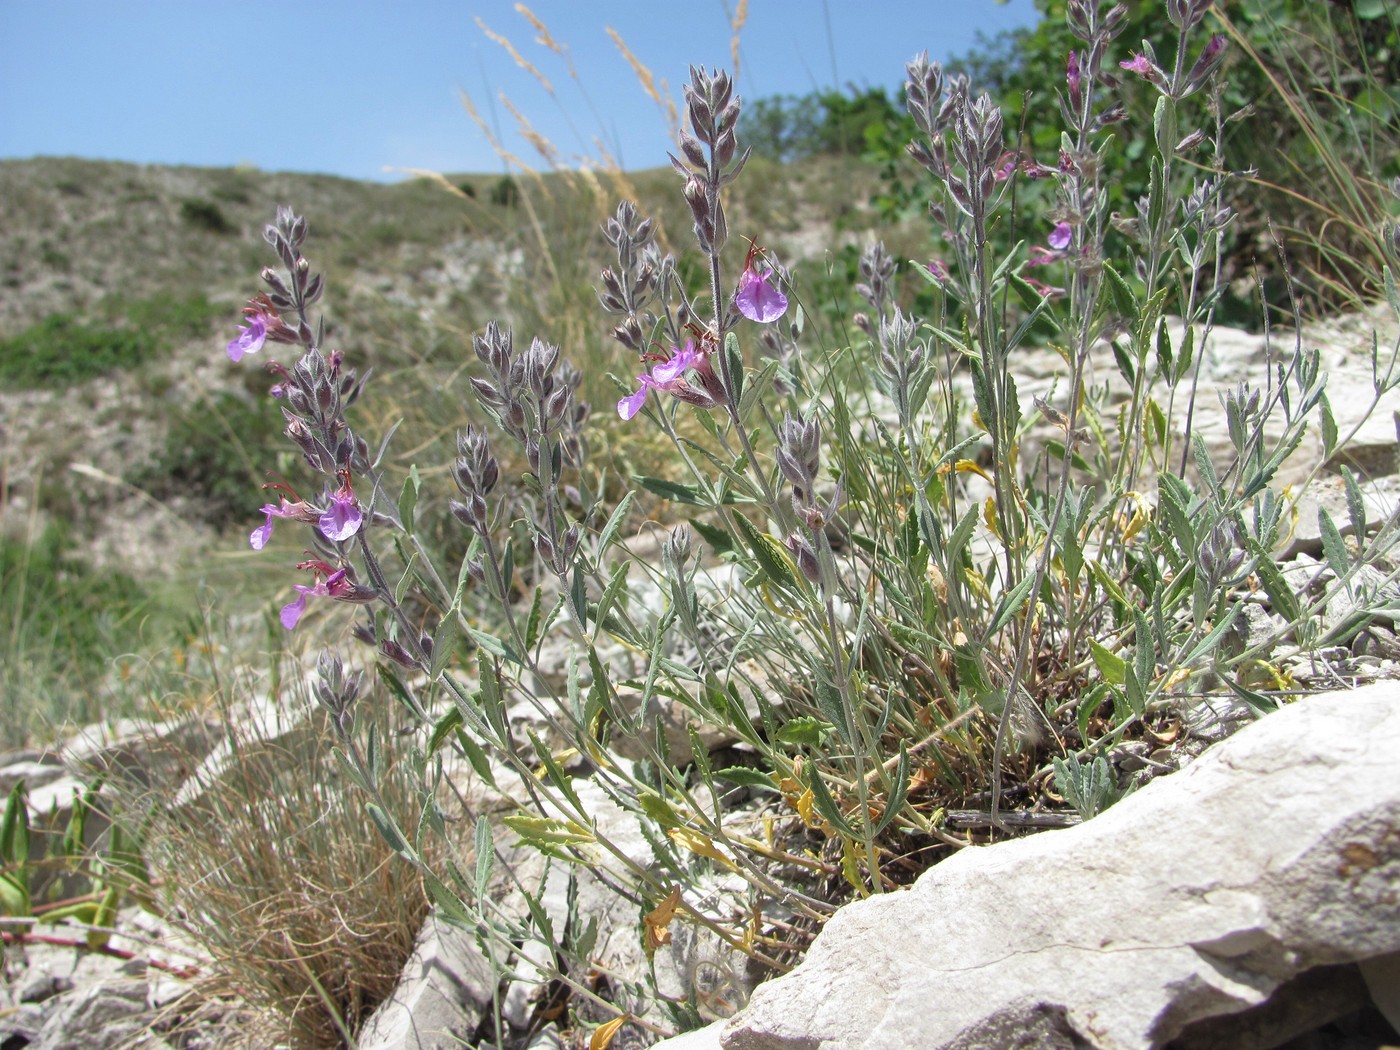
1194,899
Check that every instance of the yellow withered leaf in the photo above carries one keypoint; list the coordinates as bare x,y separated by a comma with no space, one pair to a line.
989,516
1142,514
658,919
663,913
971,466
701,846
603,1035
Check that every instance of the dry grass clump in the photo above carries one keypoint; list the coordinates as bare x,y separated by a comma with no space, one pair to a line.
272,867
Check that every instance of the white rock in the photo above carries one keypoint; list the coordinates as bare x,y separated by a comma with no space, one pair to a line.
1195,898
438,1000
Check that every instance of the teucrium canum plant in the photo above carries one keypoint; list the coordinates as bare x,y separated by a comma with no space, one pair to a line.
932,586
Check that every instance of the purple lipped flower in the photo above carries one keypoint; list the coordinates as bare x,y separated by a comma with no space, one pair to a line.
334,585
1144,67
1060,236
250,338
666,376
342,518
297,510
758,298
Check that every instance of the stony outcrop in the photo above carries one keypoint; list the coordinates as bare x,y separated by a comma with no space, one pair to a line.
1238,903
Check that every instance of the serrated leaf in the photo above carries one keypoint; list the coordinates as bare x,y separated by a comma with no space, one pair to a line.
408,498
1356,505
612,591
772,556
485,857
1212,638
1187,356
1328,424
659,810
387,830
1011,603
547,832
1203,463
899,791
615,521
804,731
1333,547
672,491
1281,595
1111,666
445,727
1125,302
719,540
445,899
825,804
746,777
734,361
444,642
534,619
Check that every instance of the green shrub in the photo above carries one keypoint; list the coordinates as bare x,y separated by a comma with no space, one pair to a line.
216,456
204,215
60,351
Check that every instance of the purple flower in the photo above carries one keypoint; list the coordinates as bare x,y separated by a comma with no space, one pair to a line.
939,271
1072,78
343,519
1140,65
1044,289
1060,236
1041,256
258,538
332,586
250,338
757,299
666,376
285,508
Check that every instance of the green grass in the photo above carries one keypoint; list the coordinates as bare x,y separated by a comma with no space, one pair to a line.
60,625
64,349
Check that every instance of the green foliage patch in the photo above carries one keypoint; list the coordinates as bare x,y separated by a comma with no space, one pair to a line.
63,349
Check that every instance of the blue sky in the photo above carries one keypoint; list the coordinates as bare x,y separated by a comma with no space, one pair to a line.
354,88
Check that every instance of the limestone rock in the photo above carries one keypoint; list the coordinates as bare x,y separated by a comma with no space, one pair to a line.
1186,905
110,1013
437,1003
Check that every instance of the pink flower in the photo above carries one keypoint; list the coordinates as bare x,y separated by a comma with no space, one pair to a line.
335,585
1043,256
939,271
343,518
1060,236
757,298
250,338
1143,67
285,508
1044,289
667,376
